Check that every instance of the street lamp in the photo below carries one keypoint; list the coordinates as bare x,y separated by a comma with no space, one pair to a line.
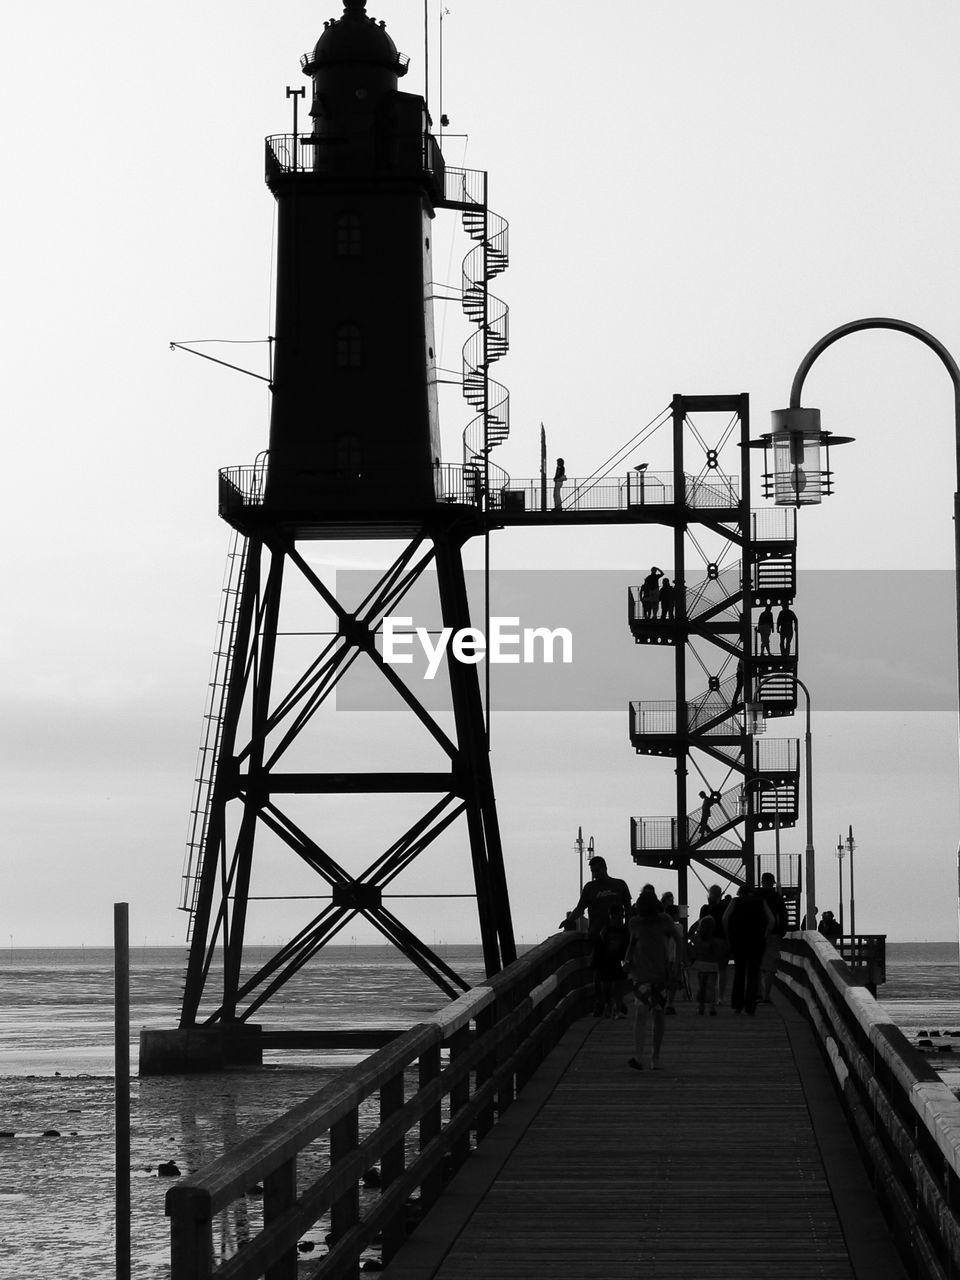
851,845
766,782
800,426
840,853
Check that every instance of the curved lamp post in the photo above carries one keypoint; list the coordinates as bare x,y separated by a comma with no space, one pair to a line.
796,432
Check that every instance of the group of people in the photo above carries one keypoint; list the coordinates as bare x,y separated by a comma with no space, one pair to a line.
658,595
645,947
786,627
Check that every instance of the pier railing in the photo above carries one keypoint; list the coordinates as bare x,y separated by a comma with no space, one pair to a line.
905,1119
408,1110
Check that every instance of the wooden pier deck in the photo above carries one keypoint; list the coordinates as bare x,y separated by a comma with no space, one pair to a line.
735,1161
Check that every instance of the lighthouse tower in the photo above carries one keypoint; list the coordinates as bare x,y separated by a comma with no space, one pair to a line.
354,452
354,427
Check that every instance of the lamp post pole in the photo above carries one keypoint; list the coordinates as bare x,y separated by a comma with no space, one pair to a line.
950,364
851,845
840,852
809,856
765,782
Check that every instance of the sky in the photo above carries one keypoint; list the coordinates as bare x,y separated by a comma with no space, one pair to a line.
696,193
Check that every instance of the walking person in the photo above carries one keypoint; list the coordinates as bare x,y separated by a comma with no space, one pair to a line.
771,951
559,476
786,626
765,629
647,967
714,908
608,953
706,964
676,951
747,922
596,898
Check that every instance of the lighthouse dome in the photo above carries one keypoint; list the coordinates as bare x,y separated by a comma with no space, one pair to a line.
354,38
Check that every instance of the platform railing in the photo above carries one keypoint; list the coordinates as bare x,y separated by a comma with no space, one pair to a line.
905,1119
410,1109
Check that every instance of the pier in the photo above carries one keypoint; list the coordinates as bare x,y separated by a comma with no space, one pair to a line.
509,1136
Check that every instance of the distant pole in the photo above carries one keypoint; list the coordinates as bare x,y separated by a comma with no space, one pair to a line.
543,507
850,848
580,852
840,853
121,1059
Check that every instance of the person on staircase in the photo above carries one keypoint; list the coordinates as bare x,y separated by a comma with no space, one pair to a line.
765,629
786,627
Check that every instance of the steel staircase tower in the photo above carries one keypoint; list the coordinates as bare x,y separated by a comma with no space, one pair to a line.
491,339
750,784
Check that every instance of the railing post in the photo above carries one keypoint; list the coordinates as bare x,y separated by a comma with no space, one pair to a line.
191,1237
392,1165
486,1020
345,1212
430,1125
459,1094
279,1194
505,1003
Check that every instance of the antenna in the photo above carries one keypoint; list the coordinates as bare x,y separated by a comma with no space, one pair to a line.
426,55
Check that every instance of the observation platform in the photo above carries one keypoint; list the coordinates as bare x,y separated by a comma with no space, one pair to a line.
733,1160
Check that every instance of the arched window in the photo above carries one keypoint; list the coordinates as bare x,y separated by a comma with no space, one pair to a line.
349,236
348,347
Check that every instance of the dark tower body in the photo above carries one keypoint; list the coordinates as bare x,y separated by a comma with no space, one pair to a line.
354,423
354,453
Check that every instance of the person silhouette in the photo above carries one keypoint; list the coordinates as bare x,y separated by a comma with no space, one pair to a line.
765,629
559,476
650,592
786,626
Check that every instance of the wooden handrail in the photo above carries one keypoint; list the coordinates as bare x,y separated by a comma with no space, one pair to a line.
906,1119
494,1035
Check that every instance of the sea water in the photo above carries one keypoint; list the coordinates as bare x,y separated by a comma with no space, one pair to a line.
56,1077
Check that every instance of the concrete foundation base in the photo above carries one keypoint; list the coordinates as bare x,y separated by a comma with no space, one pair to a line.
185,1051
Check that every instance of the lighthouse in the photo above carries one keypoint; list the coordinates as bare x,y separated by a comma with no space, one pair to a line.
353,453
354,426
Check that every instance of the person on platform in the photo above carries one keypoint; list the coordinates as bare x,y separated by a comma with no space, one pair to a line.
650,593
747,922
786,626
647,966
667,597
596,898
559,476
